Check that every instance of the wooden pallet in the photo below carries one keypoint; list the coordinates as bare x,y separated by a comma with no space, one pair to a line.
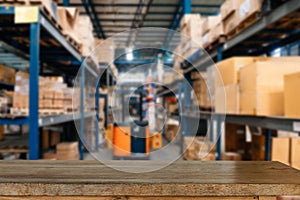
45,112
73,42
213,45
243,25
19,112
13,2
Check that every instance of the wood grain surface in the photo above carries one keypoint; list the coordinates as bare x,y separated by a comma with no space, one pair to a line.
182,179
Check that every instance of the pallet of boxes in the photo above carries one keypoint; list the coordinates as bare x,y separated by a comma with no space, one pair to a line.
237,15
201,93
198,148
64,151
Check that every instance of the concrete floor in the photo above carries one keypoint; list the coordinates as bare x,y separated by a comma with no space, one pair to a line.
169,153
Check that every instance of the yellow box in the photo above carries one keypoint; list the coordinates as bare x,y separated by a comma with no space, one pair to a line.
280,150
295,150
261,87
231,103
292,95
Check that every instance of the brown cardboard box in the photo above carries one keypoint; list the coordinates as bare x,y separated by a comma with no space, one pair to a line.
229,69
209,22
261,87
280,150
189,18
7,74
172,133
196,148
45,136
258,147
54,138
231,156
191,32
1,133
231,21
248,8
292,95
295,151
232,99
216,31
67,151
235,138
49,155
68,17
227,8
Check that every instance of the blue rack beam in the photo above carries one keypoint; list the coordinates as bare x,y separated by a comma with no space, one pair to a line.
148,14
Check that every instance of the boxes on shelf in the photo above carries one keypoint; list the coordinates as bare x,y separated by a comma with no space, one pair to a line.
230,102
190,27
292,95
68,19
258,147
280,150
7,74
230,13
156,141
197,148
201,95
172,130
249,9
54,138
261,86
235,138
295,152
104,51
208,23
49,155
49,6
1,133
216,32
231,156
85,35
67,151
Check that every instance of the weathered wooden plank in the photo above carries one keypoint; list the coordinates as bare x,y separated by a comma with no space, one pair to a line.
266,198
189,178
126,198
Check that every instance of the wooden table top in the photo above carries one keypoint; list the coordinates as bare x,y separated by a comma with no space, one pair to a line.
182,178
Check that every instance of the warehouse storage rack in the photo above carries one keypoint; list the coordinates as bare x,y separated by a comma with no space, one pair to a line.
40,35
237,47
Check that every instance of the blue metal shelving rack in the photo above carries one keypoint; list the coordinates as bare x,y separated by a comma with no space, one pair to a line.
233,47
43,29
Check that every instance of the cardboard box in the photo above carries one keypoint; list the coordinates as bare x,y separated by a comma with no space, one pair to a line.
231,103
215,32
280,150
295,151
67,151
258,147
7,74
229,69
248,8
54,138
231,156
292,95
49,156
46,138
232,20
190,30
189,18
235,138
172,133
209,22
1,133
227,8
68,17
261,87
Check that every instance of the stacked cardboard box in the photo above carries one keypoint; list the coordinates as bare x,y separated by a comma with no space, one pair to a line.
172,130
280,150
292,95
294,152
201,93
231,156
7,74
262,85
53,93
258,147
190,29
68,19
1,133
235,12
209,26
235,139
197,148
85,35
67,151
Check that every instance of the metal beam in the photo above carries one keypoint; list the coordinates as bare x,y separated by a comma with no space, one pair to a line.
66,3
187,6
143,4
100,33
149,13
